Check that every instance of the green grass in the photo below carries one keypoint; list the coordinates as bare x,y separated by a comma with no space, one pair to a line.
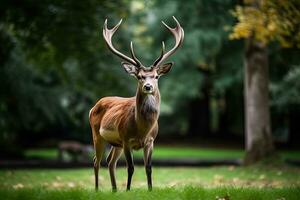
41,153
185,193
257,182
162,177
163,152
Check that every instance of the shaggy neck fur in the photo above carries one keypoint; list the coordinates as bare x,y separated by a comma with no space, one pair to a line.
147,108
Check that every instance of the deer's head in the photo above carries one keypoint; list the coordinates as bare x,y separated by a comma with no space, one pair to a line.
147,76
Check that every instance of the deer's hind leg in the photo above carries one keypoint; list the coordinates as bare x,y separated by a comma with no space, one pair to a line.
112,158
99,146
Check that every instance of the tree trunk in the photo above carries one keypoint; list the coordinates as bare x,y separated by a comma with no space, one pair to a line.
259,142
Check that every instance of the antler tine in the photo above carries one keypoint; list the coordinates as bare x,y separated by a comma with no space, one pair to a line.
133,55
178,33
108,34
161,54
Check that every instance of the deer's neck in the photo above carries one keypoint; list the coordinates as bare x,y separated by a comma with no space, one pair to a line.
147,109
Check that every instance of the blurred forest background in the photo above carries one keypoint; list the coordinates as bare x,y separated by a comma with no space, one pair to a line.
54,66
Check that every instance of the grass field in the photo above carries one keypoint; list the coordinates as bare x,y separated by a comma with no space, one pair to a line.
163,152
185,193
258,182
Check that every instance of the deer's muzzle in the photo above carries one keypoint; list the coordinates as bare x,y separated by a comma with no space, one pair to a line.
147,88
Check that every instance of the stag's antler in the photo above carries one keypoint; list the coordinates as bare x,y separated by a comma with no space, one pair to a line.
107,35
178,33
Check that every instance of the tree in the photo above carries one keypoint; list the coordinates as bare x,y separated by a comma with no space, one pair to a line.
52,61
261,22
204,67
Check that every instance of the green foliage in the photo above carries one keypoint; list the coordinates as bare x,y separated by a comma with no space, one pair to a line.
276,24
19,108
56,51
205,59
286,92
52,64
269,21
205,39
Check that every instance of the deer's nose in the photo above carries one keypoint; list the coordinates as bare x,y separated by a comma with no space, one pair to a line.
148,87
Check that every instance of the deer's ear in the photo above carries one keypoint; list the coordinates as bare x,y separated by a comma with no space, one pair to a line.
165,68
130,69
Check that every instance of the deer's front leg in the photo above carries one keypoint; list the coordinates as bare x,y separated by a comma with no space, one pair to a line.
130,165
147,161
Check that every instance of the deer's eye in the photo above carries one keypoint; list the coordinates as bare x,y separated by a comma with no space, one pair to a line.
143,77
156,77
139,77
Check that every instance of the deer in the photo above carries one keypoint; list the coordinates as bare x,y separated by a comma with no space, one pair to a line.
129,124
